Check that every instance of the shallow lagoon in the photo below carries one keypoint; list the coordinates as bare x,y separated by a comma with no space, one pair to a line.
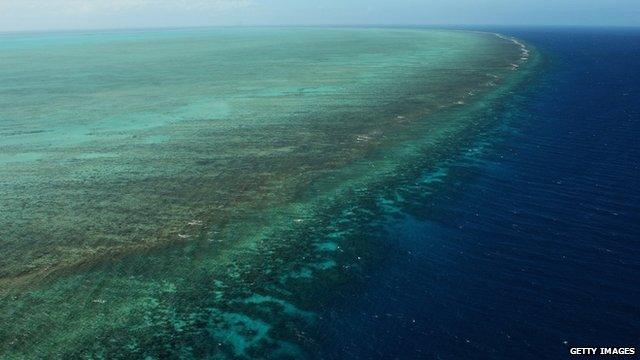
196,192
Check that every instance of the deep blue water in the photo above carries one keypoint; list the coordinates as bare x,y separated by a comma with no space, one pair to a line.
532,247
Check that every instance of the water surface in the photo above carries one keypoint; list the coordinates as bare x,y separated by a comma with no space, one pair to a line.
529,244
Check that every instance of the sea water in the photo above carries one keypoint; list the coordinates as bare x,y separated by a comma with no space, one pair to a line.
529,243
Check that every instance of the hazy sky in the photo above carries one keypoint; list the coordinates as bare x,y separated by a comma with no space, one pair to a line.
74,14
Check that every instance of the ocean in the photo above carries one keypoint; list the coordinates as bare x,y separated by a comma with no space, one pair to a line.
530,245
319,193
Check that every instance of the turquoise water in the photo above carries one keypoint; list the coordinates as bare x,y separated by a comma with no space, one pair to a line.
197,193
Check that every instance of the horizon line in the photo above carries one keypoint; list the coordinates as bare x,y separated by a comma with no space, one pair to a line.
345,25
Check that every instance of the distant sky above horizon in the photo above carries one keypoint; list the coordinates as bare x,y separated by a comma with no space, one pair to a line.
25,15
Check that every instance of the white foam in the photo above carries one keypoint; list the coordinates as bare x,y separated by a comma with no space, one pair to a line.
524,52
